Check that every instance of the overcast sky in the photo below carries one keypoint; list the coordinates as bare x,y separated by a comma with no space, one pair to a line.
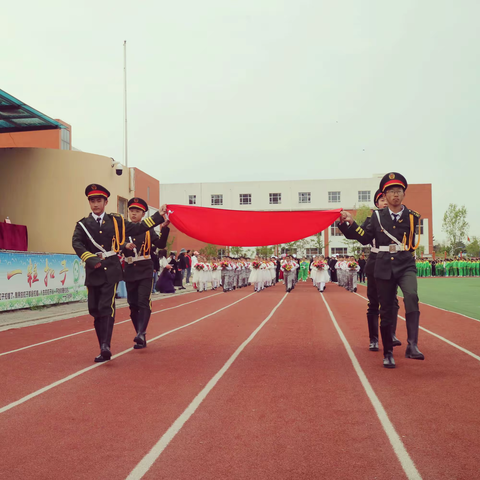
238,90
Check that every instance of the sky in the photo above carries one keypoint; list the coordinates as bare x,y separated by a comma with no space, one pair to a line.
223,91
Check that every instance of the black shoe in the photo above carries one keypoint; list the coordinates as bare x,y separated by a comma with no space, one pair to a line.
99,359
388,361
137,346
105,352
396,342
140,340
412,351
355,289
373,347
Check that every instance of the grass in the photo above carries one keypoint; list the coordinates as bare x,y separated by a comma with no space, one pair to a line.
460,295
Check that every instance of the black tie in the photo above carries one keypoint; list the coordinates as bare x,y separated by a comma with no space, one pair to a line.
99,221
395,215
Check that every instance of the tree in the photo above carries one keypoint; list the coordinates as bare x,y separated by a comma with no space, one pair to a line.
169,244
455,225
236,252
359,216
264,251
209,251
473,248
318,242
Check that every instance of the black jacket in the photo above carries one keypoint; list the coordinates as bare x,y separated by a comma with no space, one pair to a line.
385,264
144,268
110,270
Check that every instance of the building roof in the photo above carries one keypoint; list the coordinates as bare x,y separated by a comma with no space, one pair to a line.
16,116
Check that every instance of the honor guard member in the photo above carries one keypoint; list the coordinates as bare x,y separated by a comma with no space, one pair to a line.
372,294
97,240
138,274
393,229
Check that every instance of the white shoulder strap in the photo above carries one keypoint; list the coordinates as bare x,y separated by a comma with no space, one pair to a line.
390,236
91,238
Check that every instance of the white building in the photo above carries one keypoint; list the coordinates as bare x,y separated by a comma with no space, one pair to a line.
349,194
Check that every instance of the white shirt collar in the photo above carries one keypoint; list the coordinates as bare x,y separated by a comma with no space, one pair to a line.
98,216
399,214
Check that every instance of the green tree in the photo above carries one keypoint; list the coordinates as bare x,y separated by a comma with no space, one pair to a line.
209,251
169,244
318,242
264,251
359,216
473,248
455,225
236,252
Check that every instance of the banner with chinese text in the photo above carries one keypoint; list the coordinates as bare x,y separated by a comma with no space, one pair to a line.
35,279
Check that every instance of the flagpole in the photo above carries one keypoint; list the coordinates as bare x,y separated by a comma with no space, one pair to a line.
125,101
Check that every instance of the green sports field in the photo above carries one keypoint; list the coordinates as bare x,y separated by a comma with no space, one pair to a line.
461,295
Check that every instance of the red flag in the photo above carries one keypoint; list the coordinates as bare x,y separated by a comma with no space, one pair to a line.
249,228
468,238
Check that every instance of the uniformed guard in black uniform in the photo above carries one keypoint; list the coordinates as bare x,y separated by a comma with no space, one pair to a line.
97,240
139,269
372,294
393,229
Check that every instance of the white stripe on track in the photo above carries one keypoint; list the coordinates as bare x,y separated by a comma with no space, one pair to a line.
92,329
144,465
97,365
464,350
439,308
397,444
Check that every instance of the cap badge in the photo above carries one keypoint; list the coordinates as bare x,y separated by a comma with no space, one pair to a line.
93,187
391,176
135,200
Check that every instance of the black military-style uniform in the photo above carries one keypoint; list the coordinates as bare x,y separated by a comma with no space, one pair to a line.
373,306
103,274
394,269
139,279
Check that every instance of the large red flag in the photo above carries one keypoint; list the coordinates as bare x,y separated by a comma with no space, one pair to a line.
238,228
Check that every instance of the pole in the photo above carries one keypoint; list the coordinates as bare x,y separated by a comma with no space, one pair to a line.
125,100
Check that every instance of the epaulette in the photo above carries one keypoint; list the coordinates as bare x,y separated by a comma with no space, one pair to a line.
82,219
413,212
118,215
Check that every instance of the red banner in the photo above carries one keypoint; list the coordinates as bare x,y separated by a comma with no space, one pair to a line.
236,228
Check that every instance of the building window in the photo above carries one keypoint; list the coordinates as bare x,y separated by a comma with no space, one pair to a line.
339,251
288,251
192,199
65,139
311,252
217,199
221,253
245,199
419,228
364,196
148,194
275,198
122,204
304,197
334,197
334,230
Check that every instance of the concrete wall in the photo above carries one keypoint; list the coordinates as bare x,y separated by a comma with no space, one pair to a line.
45,190
145,184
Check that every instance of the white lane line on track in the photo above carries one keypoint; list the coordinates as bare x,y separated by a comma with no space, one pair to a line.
397,444
92,329
144,465
443,309
464,350
97,365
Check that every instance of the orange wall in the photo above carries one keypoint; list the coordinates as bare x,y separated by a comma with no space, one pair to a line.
35,139
142,182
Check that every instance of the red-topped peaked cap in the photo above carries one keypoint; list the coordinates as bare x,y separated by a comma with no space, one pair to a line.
139,203
393,179
378,194
96,190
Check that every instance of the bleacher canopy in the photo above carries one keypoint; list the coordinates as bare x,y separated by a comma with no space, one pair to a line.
16,116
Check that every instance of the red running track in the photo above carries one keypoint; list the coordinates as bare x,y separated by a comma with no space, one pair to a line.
291,405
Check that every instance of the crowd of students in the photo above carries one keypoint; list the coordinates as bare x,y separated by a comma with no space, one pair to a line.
450,267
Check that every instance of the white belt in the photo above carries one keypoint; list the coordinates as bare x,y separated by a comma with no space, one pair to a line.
104,255
139,258
374,250
392,248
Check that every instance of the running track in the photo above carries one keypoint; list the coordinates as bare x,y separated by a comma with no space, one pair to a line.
242,386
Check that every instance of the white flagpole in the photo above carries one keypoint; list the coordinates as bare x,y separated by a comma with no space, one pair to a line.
125,100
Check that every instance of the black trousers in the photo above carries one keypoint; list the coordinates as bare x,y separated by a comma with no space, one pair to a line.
101,300
387,294
139,294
